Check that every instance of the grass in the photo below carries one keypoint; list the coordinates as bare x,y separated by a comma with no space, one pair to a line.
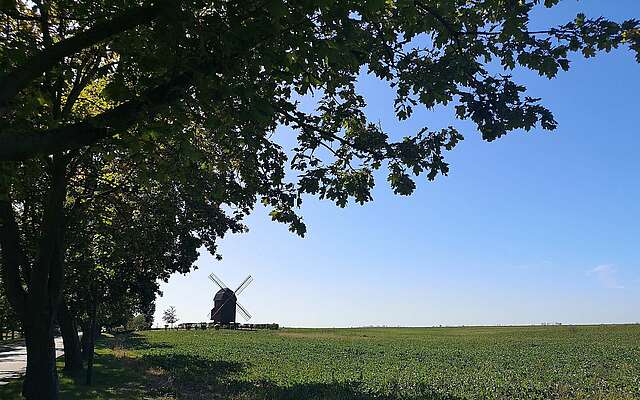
595,362
114,378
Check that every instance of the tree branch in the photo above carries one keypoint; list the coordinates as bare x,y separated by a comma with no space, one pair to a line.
23,145
20,77
18,146
84,74
43,273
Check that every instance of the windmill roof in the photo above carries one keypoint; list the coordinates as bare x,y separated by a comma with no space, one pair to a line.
224,293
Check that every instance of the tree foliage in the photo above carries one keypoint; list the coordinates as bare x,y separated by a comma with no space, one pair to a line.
138,323
170,315
196,74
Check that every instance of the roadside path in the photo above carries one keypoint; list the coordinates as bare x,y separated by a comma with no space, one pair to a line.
13,359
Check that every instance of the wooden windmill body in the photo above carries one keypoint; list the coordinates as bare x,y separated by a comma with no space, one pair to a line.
225,302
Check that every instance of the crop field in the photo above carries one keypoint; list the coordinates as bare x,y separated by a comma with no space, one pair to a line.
596,362
585,362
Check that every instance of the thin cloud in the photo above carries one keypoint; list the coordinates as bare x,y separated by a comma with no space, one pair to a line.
607,275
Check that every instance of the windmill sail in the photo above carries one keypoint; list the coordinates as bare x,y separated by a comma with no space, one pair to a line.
245,314
217,280
244,285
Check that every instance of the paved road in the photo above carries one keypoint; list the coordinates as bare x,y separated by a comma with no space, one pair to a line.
13,359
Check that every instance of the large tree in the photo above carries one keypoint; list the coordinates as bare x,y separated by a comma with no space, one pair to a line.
205,83
127,226
126,231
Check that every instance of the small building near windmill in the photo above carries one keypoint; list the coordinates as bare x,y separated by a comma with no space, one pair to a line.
224,307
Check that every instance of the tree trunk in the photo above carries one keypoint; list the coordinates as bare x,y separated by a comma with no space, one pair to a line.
92,345
93,335
69,330
41,379
85,341
37,305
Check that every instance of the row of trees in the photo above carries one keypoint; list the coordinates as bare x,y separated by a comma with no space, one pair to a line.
133,134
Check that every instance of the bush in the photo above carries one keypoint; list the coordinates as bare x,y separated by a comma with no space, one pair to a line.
137,323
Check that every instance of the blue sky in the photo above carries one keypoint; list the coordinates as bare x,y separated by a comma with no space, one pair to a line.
535,227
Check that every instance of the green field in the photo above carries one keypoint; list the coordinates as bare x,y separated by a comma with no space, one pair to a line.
595,362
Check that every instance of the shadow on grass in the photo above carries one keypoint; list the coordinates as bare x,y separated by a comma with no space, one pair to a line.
193,377
321,391
115,376
132,341
120,374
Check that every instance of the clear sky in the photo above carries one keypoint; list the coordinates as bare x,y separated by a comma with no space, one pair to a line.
535,227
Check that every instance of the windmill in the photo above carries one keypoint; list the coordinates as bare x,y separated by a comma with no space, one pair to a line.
225,302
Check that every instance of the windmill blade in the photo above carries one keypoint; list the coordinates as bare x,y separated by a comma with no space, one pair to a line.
217,280
245,314
243,285
216,312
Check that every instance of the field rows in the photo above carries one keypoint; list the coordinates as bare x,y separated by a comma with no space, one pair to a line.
405,363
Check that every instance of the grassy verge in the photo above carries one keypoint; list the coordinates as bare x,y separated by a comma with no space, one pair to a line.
117,375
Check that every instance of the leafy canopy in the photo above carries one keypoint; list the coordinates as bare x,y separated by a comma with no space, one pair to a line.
205,84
